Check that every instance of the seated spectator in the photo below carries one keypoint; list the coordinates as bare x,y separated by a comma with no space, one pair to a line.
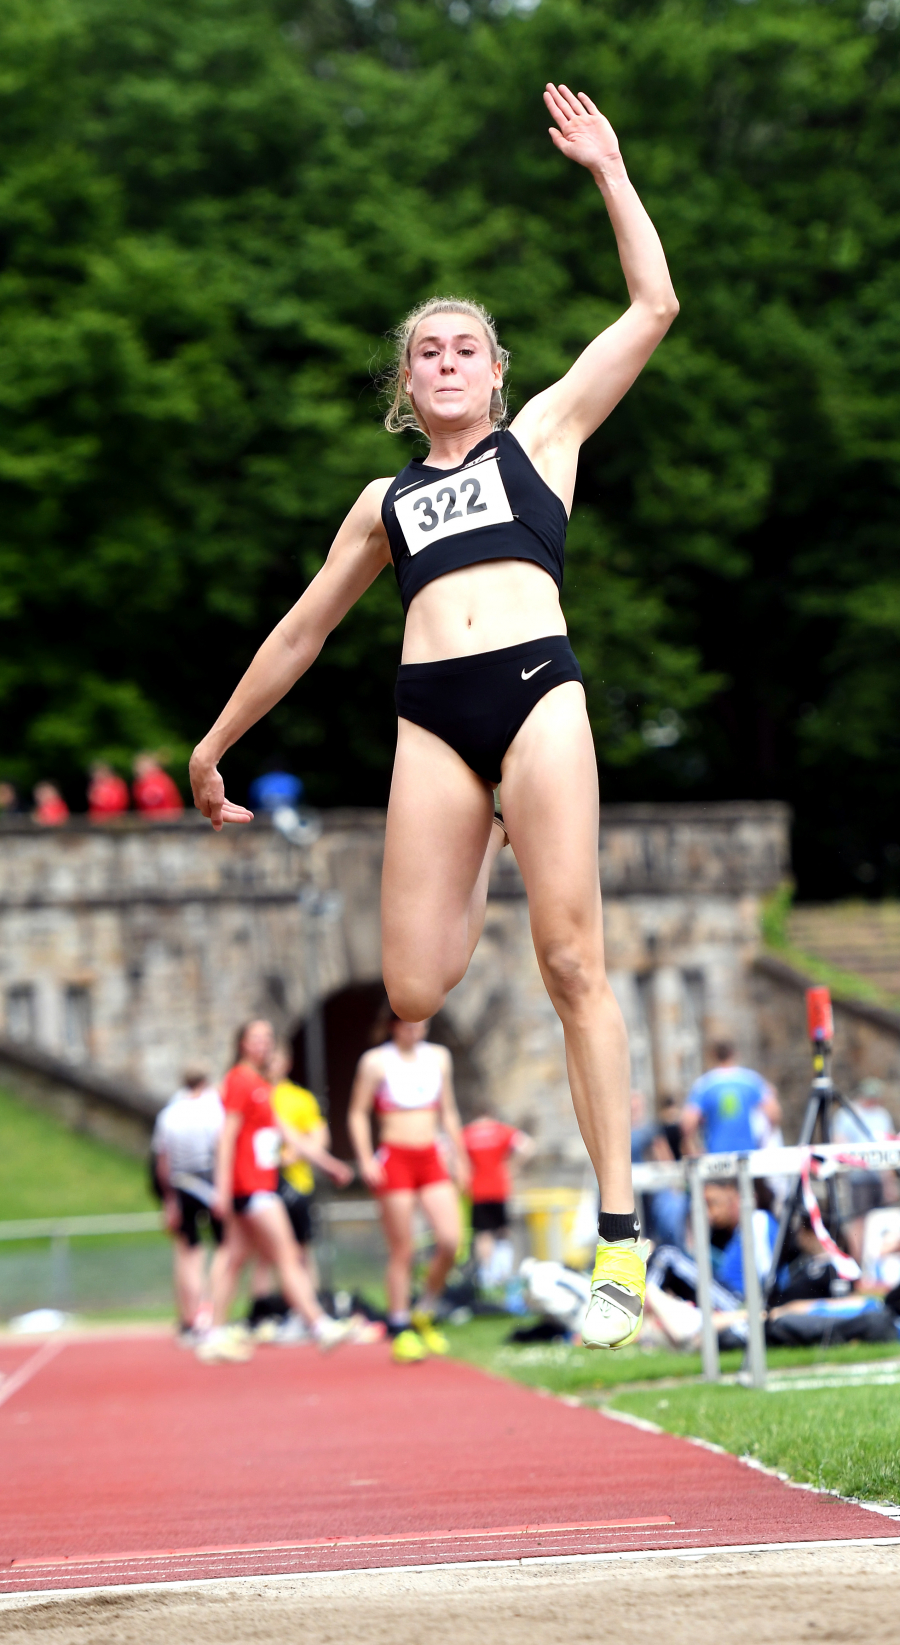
490,1145
867,1191
673,1270
723,1103
9,799
107,793
154,792
50,808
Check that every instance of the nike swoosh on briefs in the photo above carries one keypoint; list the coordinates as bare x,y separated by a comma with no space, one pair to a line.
536,670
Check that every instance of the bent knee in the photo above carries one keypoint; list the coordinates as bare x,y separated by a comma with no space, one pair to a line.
414,999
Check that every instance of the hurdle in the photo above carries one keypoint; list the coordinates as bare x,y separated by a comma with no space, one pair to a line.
819,1161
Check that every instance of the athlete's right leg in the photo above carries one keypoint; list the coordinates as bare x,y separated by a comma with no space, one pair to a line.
188,1279
226,1269
438,852
270,1231
396,1220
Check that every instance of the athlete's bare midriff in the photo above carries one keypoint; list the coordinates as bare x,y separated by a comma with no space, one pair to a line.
481,608
415,1128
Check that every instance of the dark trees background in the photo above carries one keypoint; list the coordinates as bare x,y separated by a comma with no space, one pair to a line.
212,213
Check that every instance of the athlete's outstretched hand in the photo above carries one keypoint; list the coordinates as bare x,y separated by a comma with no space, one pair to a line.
209,795
582,133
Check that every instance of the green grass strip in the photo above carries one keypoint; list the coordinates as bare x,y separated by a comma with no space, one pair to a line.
46,1170
840,1439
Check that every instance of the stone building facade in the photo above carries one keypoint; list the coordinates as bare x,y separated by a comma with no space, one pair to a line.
128,950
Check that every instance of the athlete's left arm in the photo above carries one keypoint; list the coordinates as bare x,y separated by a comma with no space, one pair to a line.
556,422
451,1124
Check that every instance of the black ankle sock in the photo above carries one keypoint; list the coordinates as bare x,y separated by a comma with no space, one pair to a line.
612,1226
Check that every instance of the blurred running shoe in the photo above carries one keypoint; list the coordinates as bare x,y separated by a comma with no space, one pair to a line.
434,1340
330,1333
225,1344
409,1348
616,1309
290,1330
266,1331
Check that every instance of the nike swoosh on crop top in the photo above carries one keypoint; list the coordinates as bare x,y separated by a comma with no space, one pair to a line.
493,506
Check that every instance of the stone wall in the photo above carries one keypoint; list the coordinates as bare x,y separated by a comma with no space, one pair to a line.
131,949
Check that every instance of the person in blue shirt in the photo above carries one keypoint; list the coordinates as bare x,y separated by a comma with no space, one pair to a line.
735,1107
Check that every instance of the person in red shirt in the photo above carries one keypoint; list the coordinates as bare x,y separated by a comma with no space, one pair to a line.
490,1144
247,1199
153,788
107,793
50,808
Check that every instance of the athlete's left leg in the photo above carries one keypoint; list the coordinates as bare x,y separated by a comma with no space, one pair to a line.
551,809
440,1202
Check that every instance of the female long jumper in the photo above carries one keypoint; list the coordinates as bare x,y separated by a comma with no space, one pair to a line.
488,685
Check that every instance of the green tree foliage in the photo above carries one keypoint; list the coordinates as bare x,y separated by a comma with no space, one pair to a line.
212,213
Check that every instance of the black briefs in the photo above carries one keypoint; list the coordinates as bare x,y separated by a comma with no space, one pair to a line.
477,704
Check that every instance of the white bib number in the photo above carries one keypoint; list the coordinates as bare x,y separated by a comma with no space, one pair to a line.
471,498
267,1147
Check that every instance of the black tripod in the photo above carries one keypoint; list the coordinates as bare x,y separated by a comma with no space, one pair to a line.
823,1099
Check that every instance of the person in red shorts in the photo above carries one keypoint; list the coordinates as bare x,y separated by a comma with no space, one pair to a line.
247,1158
153,789
408,1084
107,794
490,1145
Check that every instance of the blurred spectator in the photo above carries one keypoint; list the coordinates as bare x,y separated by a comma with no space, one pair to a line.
490,1145
723,1102
670,1123
273,789
184,1152
50,808
9,798
665,1210
866,1190
154,792
870,1120
671,1269
642,1128
107,793
303,1124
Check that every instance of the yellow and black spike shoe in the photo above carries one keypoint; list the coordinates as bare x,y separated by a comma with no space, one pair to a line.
616,1310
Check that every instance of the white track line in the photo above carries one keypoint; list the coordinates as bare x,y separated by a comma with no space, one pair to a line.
30,1369
227,1584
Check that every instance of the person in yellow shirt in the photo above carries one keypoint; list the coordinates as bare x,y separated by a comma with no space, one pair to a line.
307,1145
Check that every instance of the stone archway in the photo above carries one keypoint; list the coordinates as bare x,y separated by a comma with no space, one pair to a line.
349,1015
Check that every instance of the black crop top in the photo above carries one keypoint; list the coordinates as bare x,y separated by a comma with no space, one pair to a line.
494,506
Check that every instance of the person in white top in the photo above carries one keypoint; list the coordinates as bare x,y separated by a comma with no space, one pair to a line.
184,1151
408,1084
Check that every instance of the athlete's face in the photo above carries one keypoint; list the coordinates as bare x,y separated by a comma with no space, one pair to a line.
451,375
723,1205
258,1044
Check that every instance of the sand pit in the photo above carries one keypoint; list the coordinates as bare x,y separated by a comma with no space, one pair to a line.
780,1596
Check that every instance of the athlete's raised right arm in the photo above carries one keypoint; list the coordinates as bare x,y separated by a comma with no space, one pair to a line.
359,551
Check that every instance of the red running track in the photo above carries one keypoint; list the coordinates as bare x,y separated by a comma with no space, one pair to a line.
126,1460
